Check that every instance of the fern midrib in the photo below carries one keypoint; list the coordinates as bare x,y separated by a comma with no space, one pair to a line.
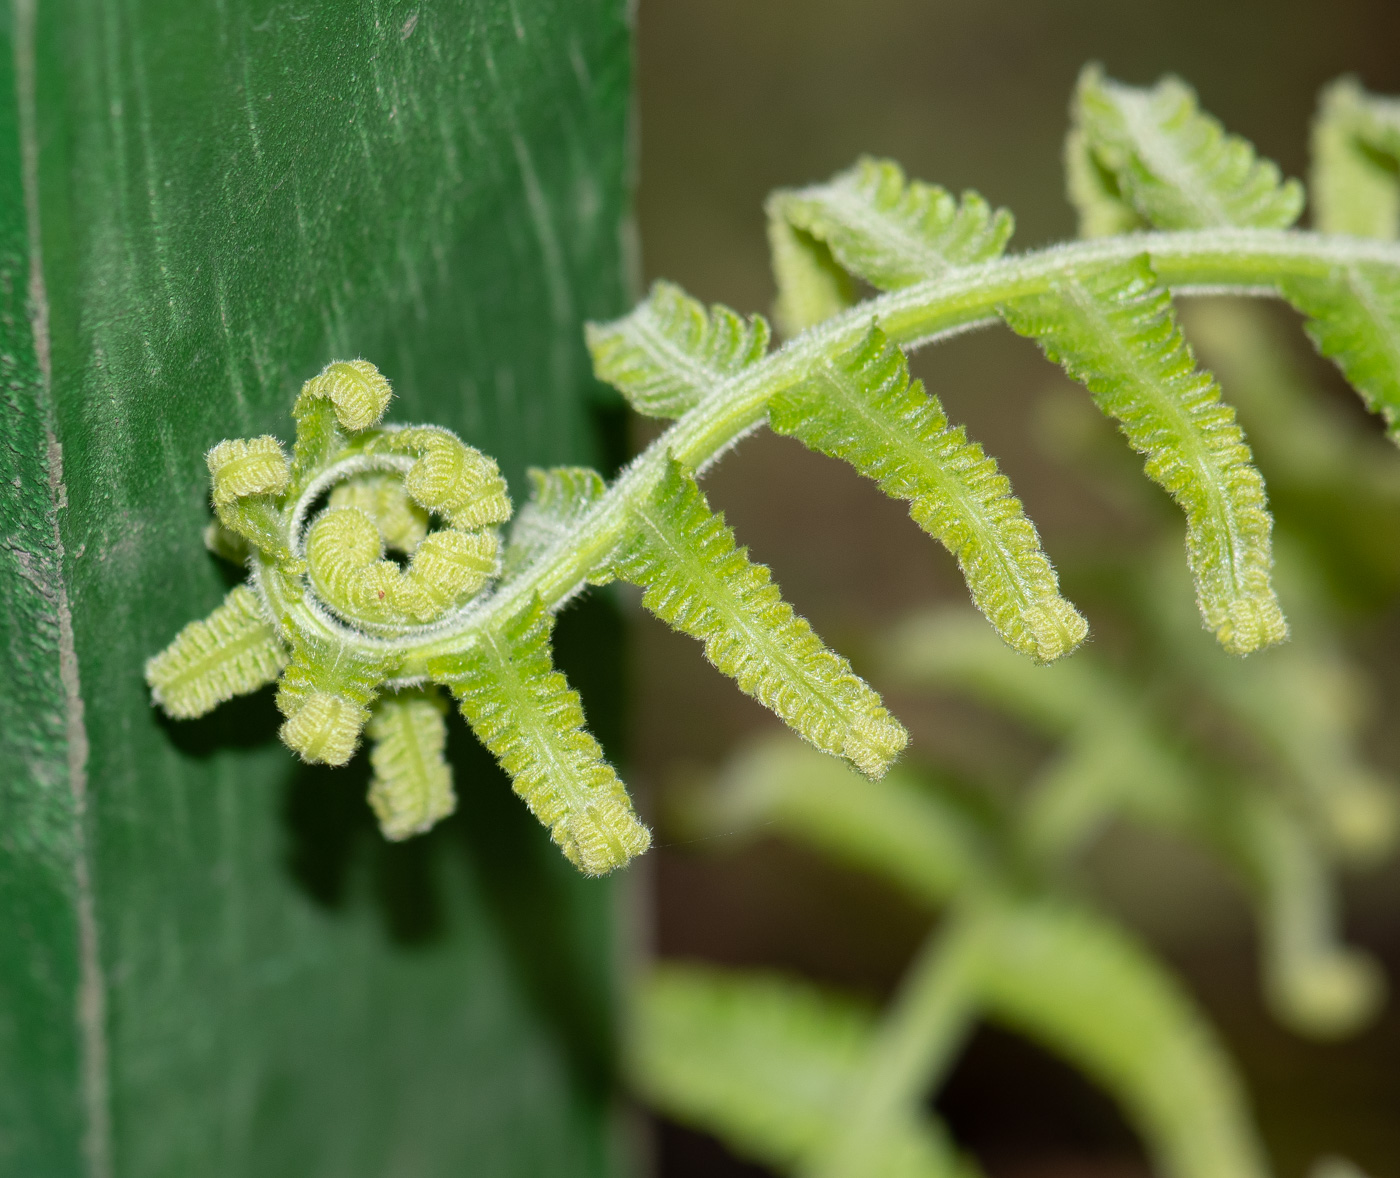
1206,261
1159,151
222,655
887,230
1365,294
690,370
524,704
409,738
1202,458
739,620
972,508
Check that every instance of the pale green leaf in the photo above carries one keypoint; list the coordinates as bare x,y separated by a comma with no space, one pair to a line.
876,226
1355,177
231,652
412,787
526,713
698,581
559,497
325,693
1091,994
382,496
1093,191
767,1065
669,353
1174,165
890,231
910,832
1314,983
811,284
1112,329
860,406
1354,319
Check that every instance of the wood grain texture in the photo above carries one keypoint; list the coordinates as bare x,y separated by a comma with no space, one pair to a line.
221,198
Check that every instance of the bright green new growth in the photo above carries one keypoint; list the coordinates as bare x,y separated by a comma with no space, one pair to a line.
330,610
525,712
755,1059
1356,154
1354,318
1156,155
876,226
1112,328
412,787
231,652
669,354
861,406
770,1064
698,581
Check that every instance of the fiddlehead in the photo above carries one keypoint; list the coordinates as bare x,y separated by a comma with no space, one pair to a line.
376,565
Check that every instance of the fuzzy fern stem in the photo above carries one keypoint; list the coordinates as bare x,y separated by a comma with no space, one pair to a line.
1209,261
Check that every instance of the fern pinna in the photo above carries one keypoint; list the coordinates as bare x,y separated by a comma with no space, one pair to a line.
361,642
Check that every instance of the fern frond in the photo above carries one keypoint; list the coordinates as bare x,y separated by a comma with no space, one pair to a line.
252,466
346,564
1090,993
526,713
1314,983
919,838
860,405
890,231
449,477
1355,156
1175,166
1354,320
412,787
231,652
768,1064
1112,329
559,496
1093,191
402,522
246,478
345,397
325,693
699,582
812,286
669,352
877,226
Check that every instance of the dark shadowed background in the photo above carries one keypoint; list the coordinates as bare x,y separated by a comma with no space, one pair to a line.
738,98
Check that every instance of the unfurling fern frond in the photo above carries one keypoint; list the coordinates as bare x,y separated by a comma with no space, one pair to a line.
559,497
1356,157
1171,167
878,227
323,529
1168,162
231,652
526,713
325,693
412,787
1354,319
400,519
1112,328
698,581
770,1064
670,353
860,405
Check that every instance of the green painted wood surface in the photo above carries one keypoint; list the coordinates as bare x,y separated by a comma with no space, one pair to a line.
209,962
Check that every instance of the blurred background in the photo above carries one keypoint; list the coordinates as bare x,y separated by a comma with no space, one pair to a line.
737,98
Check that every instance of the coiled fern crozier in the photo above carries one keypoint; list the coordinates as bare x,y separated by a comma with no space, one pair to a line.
363,641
